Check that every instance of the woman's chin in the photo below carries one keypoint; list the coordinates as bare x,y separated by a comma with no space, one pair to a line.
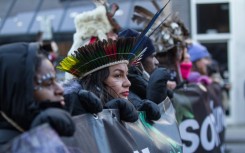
123,97
62,103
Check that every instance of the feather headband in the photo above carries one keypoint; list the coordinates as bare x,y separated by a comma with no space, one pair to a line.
93,57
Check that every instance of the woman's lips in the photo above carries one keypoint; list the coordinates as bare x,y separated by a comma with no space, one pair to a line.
125,94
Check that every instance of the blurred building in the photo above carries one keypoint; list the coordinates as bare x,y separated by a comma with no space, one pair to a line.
21,20
218,24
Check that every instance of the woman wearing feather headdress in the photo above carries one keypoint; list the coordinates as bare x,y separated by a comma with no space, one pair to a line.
100,70
90,64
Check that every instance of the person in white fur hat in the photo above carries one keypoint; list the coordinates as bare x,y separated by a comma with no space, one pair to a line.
97,24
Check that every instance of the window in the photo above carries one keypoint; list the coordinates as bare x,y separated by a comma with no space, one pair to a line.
213,18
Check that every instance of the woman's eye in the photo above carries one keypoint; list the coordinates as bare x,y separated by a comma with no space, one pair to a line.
118,76
48,82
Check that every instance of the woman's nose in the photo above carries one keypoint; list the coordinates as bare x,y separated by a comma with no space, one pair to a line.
127,83
59,90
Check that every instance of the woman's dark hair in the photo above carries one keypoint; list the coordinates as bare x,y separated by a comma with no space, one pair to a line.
95,83
39,57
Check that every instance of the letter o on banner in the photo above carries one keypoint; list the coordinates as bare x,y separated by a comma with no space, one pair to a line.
208,144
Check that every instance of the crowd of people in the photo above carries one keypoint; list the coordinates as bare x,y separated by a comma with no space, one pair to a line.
109,67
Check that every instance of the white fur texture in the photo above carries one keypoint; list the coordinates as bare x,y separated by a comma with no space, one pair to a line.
88,24
91,23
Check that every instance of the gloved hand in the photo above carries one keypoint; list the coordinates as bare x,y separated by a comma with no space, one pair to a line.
152,110
126,109
59,120
157,85
82,101
90,101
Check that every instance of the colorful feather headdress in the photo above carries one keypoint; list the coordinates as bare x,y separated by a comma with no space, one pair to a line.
93,57
167,33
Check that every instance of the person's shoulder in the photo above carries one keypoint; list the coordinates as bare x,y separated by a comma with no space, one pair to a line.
71,86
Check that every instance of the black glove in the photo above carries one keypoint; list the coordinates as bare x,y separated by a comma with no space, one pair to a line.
151,109
126,109
170,94
82,102
90,101
59,119
139,82
157,85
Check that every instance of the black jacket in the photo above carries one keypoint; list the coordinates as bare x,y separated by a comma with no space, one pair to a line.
141,92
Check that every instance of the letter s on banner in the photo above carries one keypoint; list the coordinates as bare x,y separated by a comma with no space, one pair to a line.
186,135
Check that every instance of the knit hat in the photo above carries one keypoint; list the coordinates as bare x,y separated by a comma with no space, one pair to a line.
145,43
197,52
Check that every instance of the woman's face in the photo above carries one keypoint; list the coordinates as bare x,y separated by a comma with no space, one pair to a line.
202,65
117,83
45,85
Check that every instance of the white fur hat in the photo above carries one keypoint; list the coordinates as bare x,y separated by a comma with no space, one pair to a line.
89,24
93,23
